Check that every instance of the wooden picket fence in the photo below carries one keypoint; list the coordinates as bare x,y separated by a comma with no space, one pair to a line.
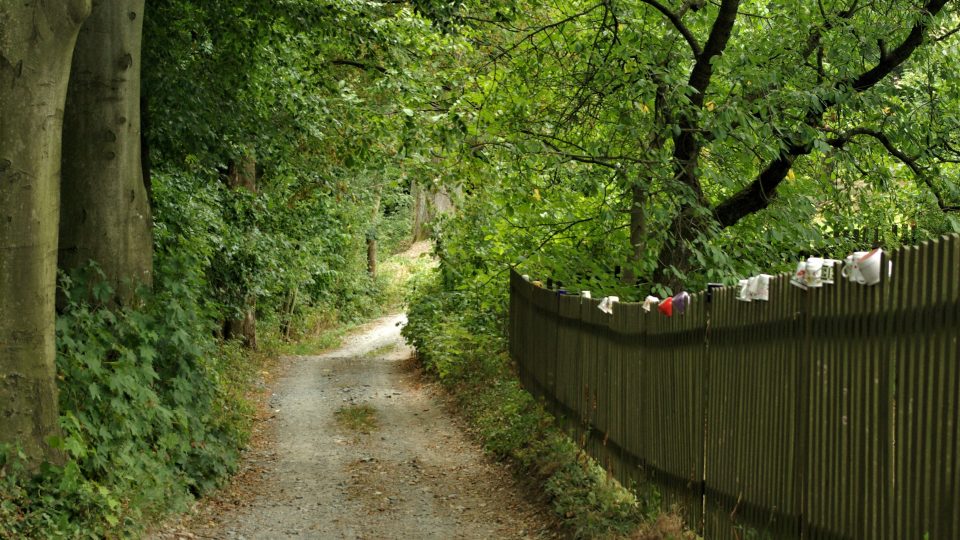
830,413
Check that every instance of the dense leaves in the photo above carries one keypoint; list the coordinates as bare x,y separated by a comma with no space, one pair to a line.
639,145
279,137
148,418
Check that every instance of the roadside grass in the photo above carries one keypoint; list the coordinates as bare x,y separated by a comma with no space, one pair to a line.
322,327
359,418
381,351
467,353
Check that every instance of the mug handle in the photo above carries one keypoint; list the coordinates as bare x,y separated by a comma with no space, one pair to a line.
843,271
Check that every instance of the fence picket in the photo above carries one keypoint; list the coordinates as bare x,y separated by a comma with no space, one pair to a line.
830,413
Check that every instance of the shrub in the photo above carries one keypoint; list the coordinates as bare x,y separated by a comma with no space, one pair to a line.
148,419
461,343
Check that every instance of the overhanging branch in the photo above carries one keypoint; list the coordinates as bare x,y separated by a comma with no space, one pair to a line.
674,19
758,193
359,65
841,140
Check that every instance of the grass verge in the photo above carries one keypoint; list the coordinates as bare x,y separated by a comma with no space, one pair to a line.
359,418
466,351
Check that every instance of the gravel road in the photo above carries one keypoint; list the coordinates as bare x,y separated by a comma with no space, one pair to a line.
416,475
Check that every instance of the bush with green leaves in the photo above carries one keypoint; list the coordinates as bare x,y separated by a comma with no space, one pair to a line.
148,420
460,340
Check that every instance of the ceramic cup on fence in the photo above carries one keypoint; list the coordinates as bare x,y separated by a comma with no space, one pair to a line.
759,287
666,306
828,273
851,269
869,267
606,305
813,272
743,293
526,277
648,303
797,279
680,302
863,267
585,294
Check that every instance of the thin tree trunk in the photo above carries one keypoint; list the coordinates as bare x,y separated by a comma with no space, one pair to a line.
36,46
421,211
638,234
243,175
372,235
105,215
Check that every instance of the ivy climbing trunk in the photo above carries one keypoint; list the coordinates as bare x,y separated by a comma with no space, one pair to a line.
105,215
36,46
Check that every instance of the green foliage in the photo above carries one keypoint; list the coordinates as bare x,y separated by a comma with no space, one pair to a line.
464,347
573,114
149,420
325,99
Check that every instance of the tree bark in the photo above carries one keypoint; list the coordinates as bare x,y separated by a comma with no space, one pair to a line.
372,235
36,47
428,203
105,216
638,234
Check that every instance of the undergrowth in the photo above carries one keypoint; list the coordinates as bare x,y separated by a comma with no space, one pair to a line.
463,346
151,414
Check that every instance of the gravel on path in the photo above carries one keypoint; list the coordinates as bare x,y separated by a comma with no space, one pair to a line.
417,474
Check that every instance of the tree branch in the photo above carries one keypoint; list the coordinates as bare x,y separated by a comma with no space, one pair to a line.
910,162
716,43
359,65
841,140
761,191
678,24
686,148
894,58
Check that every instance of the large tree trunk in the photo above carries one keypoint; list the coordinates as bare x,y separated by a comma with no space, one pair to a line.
242,174
427,204
674,260
36,45
105,216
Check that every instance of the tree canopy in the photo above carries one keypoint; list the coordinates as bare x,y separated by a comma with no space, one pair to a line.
688,142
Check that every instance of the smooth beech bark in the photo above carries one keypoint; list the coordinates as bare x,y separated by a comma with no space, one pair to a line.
36,46
105,212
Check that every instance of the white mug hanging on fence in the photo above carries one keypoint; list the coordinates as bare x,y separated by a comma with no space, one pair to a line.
813,272
850,270
798,279
828,273
585,294
606,305
863,267
744,293
759,287
648,303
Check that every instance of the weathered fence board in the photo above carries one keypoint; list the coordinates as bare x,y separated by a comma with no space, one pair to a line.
822,414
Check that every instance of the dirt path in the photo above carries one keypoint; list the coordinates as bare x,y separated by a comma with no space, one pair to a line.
415,475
